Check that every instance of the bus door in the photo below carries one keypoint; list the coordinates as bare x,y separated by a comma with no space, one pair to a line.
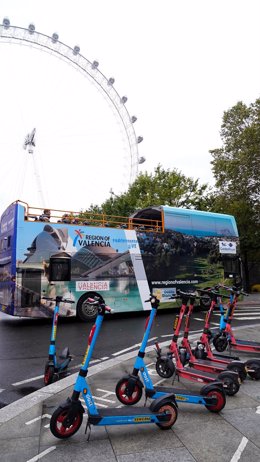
31,287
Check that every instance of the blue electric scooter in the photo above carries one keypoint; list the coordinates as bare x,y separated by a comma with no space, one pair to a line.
129,388
54,370
67,418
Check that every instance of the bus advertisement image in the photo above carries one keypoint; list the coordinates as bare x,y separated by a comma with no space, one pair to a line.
156,250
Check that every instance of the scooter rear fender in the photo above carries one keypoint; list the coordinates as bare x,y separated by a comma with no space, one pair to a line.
159,402
65,353
212,386
165,357
231,374
74,405
133,379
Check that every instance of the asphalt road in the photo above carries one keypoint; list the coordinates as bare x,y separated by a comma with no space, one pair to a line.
24,343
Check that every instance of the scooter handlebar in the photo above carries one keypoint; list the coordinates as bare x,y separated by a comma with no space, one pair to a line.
59,299
180,294
212,293
98,301
235,290
152,299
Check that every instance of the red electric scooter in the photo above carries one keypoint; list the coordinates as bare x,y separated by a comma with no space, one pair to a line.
203,349
166,368
207,365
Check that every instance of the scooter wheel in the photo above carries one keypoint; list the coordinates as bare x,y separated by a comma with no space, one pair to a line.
123,397
168,408
56,424
220,342
164,368
231,386
220,396
49,374
253,374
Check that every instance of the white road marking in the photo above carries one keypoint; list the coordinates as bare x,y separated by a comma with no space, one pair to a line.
16,384
42,454
258,410
212,323
192,332
159,381
103,399
249,308
253,313
249,319
238,315
27,380
98,404
2,389
152,339
48,416
79,365
126,349
152,372
107,392
239,450
105,357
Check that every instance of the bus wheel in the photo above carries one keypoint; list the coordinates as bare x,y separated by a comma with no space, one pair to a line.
86,311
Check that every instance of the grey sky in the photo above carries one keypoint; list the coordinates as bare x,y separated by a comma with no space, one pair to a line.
180,63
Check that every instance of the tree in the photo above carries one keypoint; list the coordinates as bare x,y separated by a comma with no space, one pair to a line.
236,170
163,187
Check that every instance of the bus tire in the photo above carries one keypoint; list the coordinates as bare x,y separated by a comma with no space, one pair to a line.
86,311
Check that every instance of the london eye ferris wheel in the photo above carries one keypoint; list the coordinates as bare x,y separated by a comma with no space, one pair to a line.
105,85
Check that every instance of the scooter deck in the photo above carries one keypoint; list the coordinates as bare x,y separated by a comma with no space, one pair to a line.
192,374
248,342
176,391
228,357
120,411
207,365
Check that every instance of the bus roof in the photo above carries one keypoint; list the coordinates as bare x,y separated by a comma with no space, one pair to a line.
192,222
154,218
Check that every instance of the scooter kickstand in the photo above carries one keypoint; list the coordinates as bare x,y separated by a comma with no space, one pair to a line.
88,426
174,377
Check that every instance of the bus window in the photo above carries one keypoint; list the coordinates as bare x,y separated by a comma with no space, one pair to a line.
60,269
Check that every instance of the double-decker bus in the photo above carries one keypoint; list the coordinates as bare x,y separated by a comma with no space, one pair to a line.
44,253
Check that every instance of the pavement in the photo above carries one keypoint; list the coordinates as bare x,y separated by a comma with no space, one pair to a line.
198,435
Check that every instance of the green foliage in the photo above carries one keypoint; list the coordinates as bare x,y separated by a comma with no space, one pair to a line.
236,170
163,187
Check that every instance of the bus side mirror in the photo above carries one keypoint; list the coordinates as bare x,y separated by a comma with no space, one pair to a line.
232,268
